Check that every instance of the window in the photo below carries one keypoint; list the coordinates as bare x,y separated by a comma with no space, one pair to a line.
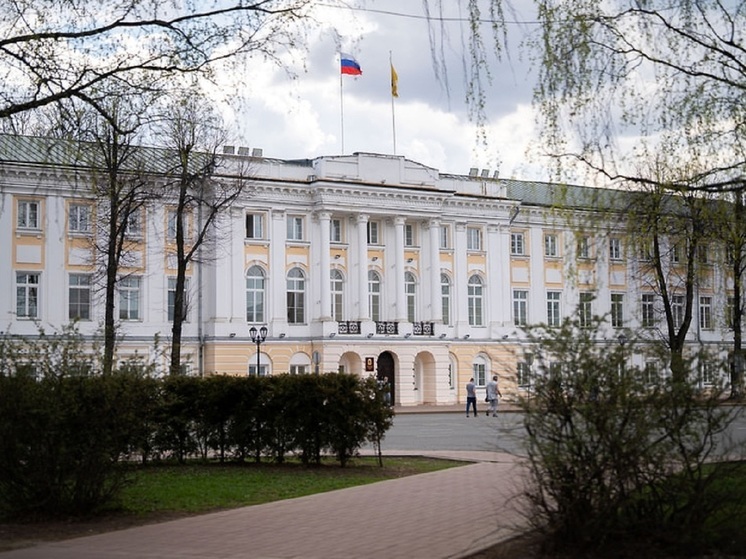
255,295
373,231
445,237
617,310
410,289
646,250
730,254
584,247
296,296
476,301
650,373
708,372
263,367
79,297
479,371
705,313
374,296
335,231
517,244
172,299
553,308
585,309
337,289
254,226
677,309
295,228
615,248
171,224
730,312
520,307
648,318
79,218
445,297
676,254
523,374
551,248
473,238
410,237
133,225
703,253
298,369
27,295
129,298
28,214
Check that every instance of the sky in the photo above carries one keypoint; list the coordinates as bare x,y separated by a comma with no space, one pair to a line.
307,113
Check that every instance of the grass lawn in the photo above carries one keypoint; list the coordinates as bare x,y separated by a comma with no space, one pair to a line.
164,491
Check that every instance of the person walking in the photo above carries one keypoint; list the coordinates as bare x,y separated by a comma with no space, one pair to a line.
492,393
471,397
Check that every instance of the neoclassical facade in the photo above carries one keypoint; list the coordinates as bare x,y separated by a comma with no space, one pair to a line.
368,264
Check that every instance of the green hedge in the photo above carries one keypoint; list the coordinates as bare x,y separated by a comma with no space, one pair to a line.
65,438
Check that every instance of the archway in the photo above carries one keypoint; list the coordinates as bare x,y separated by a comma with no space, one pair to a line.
385,373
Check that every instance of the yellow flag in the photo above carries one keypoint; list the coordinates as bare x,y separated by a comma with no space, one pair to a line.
394,82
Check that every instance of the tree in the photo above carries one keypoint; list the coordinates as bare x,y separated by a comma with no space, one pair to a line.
120,186
670,233
53,50
670,75
193,134
732,227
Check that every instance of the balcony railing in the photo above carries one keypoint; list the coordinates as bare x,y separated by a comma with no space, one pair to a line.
423,328
348,327
387,327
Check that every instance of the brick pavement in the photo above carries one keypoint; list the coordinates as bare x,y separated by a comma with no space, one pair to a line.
446,514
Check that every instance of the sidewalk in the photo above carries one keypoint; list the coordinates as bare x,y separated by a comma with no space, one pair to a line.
448,514
503,407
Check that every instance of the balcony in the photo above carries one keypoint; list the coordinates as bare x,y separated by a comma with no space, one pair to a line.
348,327
423,328
387,327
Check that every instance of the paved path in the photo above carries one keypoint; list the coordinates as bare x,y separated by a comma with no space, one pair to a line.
446,514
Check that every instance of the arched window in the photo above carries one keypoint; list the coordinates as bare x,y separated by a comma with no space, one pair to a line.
374,296
410,288
296,296
445,297
480,369
476,301
337,289
255,282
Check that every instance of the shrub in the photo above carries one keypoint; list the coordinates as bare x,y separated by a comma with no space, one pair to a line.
614,460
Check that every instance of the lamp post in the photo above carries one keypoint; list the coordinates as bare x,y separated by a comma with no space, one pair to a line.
258,337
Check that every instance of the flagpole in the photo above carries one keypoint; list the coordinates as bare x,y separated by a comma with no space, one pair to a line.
393,112
341,108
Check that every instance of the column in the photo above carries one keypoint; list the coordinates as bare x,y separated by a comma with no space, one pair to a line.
325,266
362,264
436,310
496,298
277,282
460,279
401,301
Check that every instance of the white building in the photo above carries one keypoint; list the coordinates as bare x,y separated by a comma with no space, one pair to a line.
369,264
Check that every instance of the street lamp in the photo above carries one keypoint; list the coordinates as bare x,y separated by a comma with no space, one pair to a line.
258,337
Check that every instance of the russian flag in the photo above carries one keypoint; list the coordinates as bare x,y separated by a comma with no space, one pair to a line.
348,65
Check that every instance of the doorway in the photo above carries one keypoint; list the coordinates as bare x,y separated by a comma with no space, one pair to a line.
385,374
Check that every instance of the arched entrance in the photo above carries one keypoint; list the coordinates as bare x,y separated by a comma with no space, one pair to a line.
385,373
